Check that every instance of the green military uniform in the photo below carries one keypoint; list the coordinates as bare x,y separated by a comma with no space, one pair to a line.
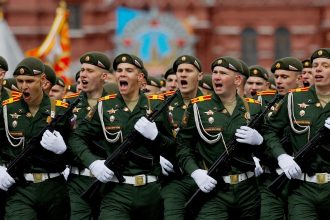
40,173
112,122
201,142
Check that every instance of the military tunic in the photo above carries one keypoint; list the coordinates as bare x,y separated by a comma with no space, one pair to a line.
201,142
113,121
30,197
302,111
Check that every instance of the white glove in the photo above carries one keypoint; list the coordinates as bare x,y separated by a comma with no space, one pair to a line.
289,166
203,181
146,128
101,171
327,123
258,169
6,180
53,142
248,135
166,165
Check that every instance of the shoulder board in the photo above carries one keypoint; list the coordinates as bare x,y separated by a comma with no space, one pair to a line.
71,96
266,92
10,100
61,103
156,97
169,93
201,99
250,100
305,89
108,97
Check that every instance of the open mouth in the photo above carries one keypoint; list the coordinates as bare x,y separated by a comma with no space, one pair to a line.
84,82
183,82
218,85
253,93
318,77
26,95
123,84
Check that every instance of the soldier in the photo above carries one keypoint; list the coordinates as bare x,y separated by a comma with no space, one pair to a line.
40,192
3,69
58,90
117,114
93,72
213,120
304,110
257,81
244,75
178,187
307,76
153,85
171,83
205,84
50,79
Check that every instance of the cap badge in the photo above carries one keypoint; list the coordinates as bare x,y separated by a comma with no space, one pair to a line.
255,71
21,71
306,63
87,58
278,65
183,58
123,59
320,52
219,61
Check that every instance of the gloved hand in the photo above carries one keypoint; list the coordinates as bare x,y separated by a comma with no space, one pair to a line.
289,166
166,165
203,181
6,180
101,171
327,123
258,169
146,128
53,142
248,135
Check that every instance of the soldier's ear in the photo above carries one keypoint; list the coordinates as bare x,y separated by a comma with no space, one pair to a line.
238,79
200,76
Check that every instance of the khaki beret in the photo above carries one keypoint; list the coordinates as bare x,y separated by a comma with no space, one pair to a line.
128,58
30,66
187,59
287,63
50,74
97,59
60,81
3,64
206,82
170,71
307,63
229,63
258,71
321,53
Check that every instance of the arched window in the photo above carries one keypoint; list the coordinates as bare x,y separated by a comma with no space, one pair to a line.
282,43
249,46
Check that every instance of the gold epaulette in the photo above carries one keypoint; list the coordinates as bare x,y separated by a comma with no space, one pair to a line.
10,100
267,92
251,100
201,99
61,103
304,89
111,96
73,95
156,97
169,93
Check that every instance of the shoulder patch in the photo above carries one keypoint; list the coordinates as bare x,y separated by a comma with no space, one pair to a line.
266,92
11,100
304,89
201,99
250,100
108,97
156,97
61,103
71,96
168,93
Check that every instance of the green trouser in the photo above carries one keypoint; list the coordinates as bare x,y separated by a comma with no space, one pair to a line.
126,201
239,201
80,209
309,201
272,207
46,200
175,194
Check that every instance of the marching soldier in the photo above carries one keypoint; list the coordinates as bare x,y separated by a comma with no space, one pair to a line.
58,90
304,110
115,117
93,72
50,79
205,84
257,81
40,191
171,83
213,121
307,76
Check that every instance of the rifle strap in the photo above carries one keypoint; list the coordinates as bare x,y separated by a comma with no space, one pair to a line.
9,136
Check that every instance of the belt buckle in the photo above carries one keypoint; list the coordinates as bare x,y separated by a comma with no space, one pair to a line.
233,179
37,177
321,178
140,180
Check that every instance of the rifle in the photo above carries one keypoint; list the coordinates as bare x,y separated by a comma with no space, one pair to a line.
112,162
301,157
15,164
199,197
